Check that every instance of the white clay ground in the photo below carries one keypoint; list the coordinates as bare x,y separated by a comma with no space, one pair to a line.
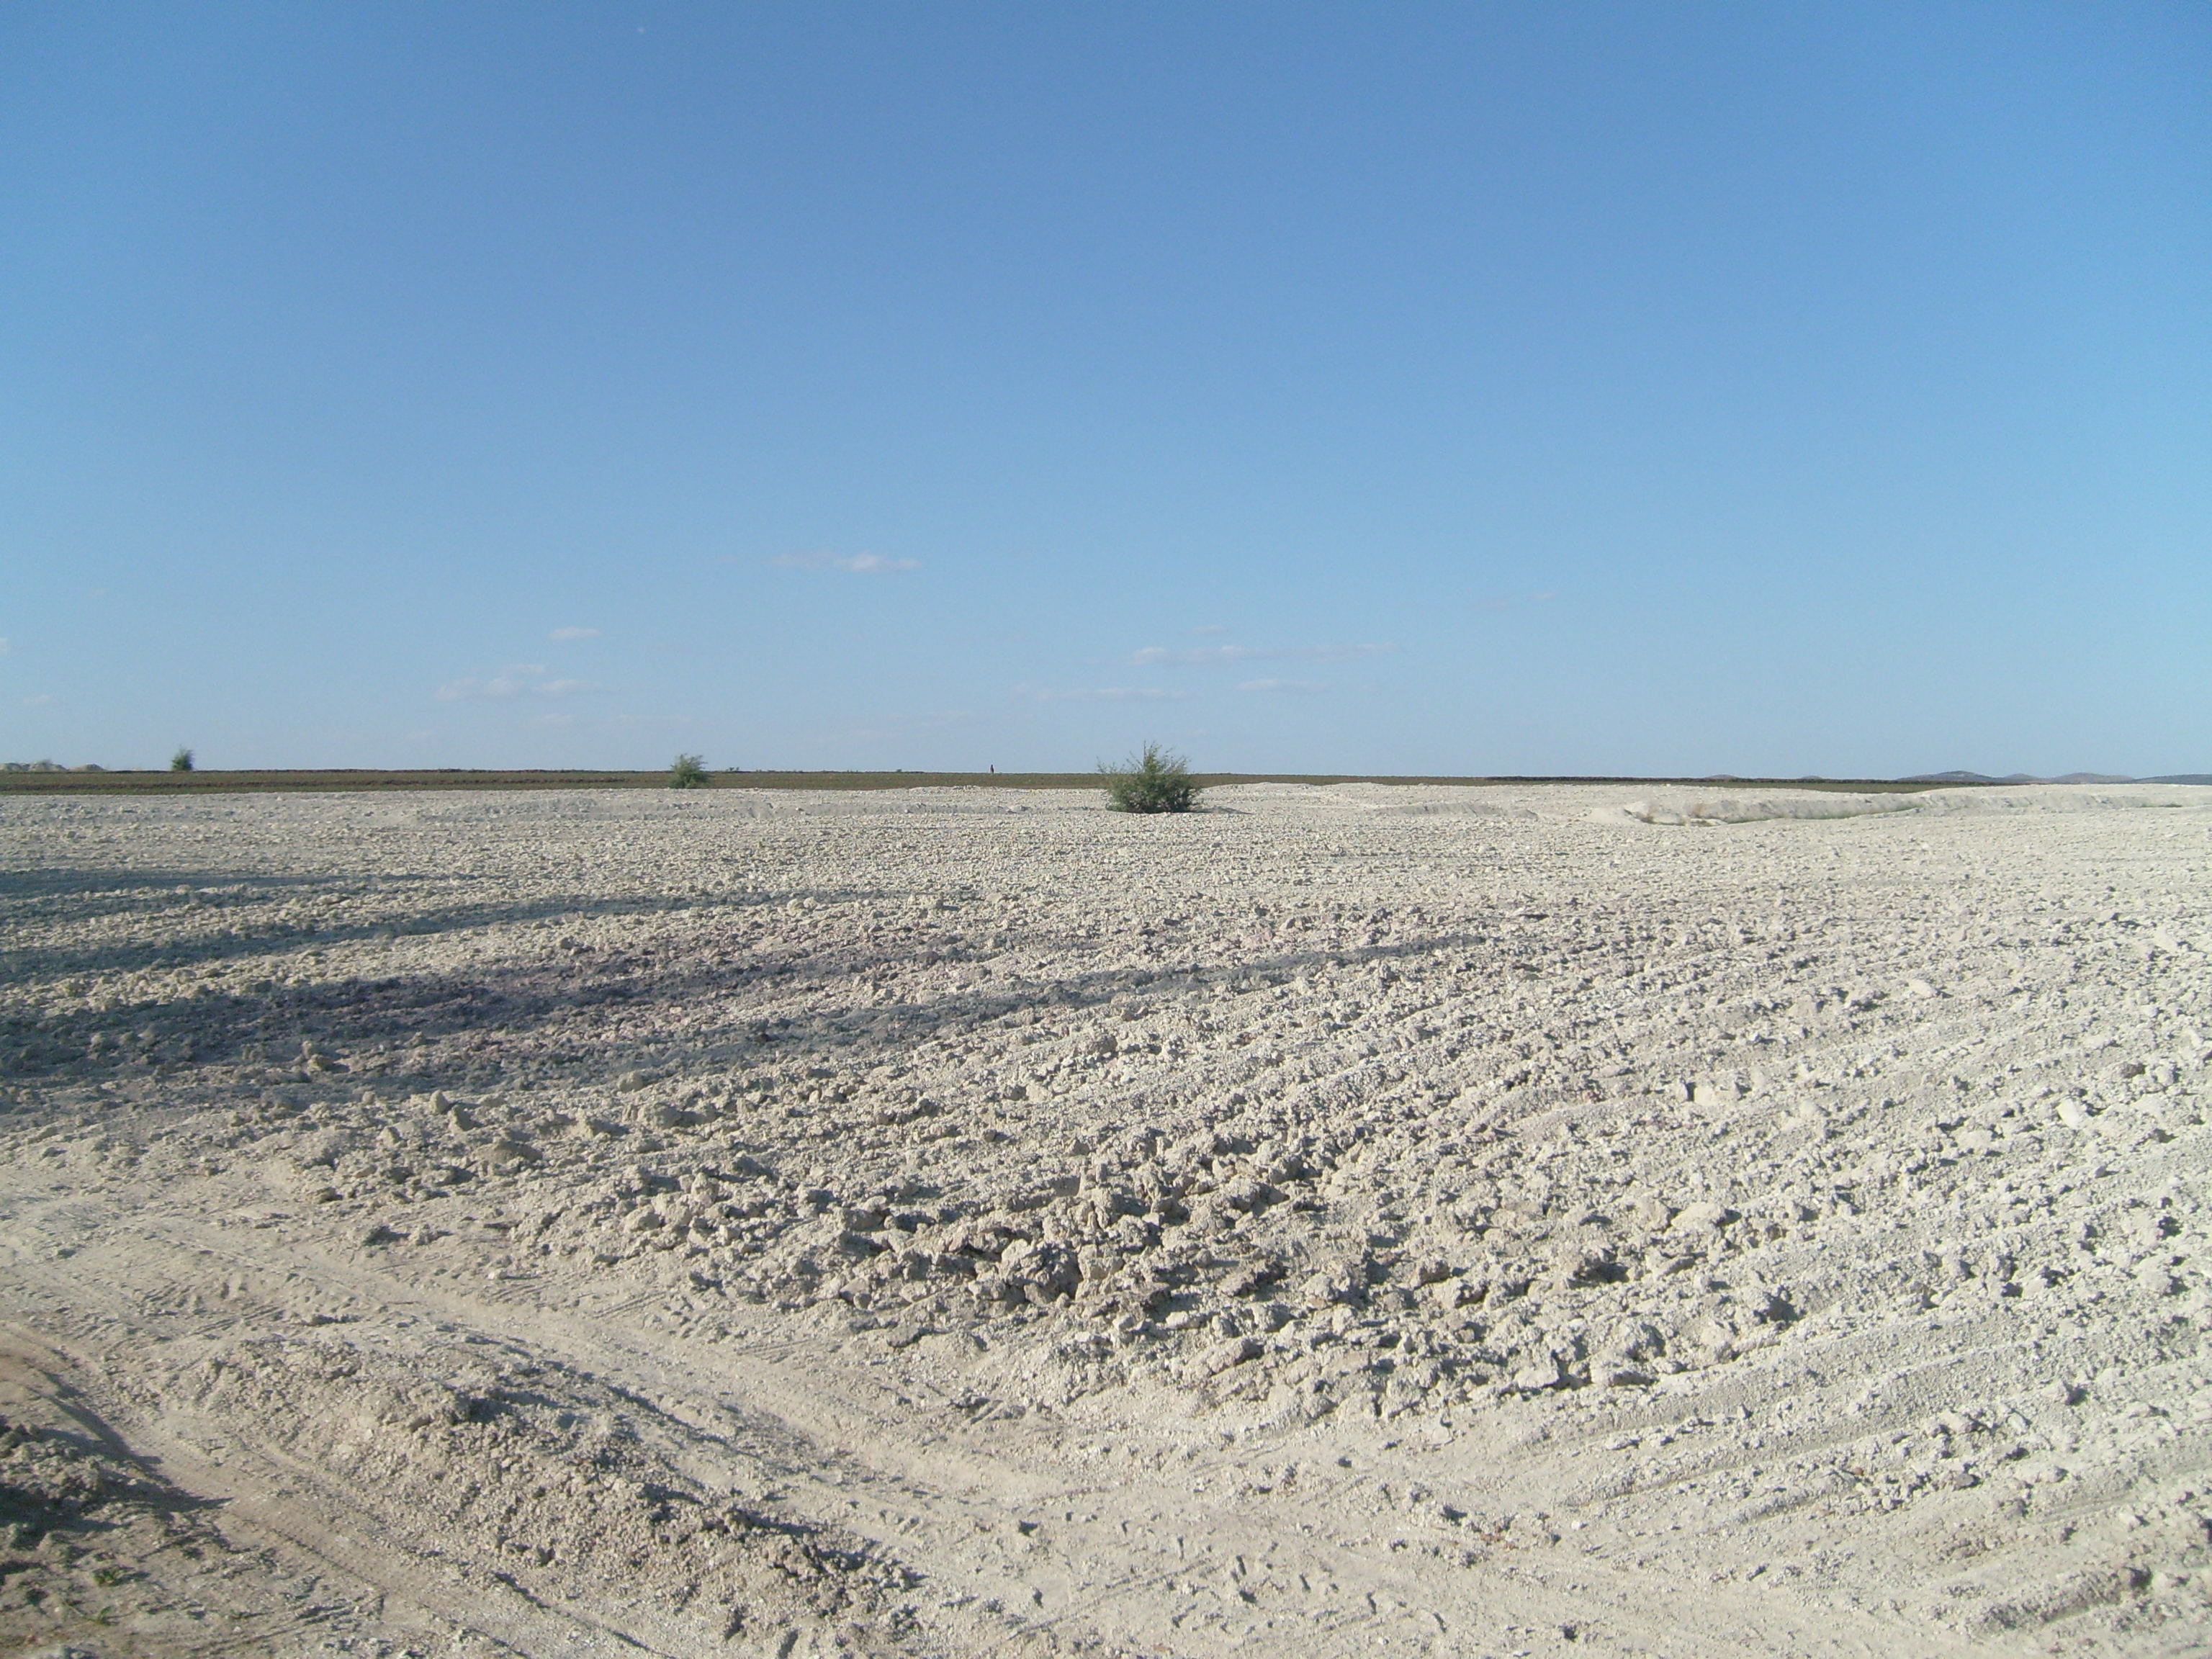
1344,1221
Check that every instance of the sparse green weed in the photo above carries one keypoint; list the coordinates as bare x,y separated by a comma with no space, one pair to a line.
1156,780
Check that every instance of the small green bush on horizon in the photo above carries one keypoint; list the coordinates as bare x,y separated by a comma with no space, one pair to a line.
181,761
1155,781
688,773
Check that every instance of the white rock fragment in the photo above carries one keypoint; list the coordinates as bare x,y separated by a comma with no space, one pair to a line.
1227,1355
1704,1216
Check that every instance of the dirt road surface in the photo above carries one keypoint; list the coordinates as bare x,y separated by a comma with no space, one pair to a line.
1355,1220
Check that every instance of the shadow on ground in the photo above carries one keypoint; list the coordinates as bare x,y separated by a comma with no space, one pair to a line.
701,995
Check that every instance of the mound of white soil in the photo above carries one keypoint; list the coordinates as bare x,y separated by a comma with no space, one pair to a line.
1347,1221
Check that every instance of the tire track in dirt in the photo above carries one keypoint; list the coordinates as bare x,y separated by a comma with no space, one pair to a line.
843,1455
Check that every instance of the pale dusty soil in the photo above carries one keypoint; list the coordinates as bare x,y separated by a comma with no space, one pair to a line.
1344,1221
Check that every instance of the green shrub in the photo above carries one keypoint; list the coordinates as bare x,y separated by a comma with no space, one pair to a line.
181,761
688,773
1157,780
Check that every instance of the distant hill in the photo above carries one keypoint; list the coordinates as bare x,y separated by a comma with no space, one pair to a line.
2069,777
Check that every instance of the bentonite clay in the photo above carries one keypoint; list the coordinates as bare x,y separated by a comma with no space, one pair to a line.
1350,1220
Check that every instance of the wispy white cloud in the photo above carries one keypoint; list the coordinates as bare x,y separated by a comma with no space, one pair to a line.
522,679
1155,656
1208,629
1204,656
1099,694
4,646
562,636
40,700
1281,685
858,563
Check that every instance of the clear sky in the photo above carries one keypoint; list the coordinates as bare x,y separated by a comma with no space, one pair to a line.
1473,388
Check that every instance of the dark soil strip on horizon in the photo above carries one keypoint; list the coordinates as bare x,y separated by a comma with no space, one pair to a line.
167,782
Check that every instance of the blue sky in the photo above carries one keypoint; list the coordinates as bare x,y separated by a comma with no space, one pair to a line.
1448,389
